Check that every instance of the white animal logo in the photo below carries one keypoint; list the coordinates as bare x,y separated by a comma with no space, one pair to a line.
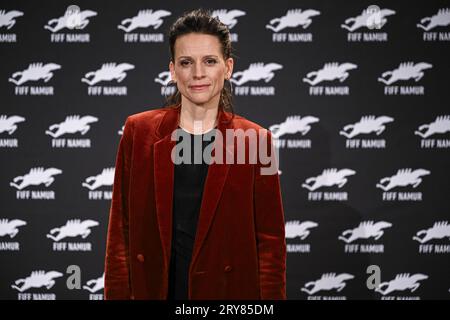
330,71
228,17
405,71
35,71
328,281
164,78
439,230
70,20
35,177
293,18
256,71
71,124
108,72
9,227
95,285
401,282
296,229
365,230
403,177
293,124
73,228
440,19
440,125
37,279
367,124
144,19
105,178
327,178
8,124
120,132
371,18
8,19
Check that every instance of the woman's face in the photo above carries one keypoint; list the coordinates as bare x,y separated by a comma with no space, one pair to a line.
199,68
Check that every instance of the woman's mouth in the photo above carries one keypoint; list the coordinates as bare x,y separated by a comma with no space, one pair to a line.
199,87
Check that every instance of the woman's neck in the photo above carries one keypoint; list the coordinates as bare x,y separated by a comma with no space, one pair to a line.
197,119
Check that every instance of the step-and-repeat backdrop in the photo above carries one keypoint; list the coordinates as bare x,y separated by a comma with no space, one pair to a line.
356,93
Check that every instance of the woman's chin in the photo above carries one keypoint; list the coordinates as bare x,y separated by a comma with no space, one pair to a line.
200,101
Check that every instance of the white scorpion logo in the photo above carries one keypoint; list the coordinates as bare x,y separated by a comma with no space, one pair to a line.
402,178
328,281
293,18
329,177
365,230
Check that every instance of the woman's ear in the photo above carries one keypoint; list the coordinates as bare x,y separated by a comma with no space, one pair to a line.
172,71
229,68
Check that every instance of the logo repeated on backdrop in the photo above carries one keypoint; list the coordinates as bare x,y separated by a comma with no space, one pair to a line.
372,18
144,19
105,178
7,21
331,71
39,279
35,177
255,72
301,230
95,286
403,178
164,79
406,71
402,282
72,124
367,125
293,125
35,72
9,125
439,230
10,228
107,72
328,178
440,125
73,19
328,282
73,228
229,18
365,230
294,18
437,22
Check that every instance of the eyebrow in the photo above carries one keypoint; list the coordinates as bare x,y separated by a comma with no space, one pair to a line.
207,56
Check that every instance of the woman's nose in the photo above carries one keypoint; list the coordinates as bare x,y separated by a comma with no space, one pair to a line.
198,70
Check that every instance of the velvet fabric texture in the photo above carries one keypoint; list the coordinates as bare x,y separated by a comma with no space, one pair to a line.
240,248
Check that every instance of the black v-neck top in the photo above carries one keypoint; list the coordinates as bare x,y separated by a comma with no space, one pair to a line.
189,180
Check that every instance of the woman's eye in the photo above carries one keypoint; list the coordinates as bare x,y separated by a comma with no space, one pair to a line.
209,62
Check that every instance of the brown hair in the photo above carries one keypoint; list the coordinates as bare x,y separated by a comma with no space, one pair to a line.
201,21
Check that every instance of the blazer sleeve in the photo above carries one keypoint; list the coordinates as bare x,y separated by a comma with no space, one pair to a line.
117,265
270,228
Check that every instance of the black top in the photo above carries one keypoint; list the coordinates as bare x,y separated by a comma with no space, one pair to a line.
189,179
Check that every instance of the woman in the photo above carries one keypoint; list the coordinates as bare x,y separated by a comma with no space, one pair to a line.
213,230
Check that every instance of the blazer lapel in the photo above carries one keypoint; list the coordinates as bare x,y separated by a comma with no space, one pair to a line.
164,182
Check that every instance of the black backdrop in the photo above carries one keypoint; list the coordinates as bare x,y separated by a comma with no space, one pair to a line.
343,170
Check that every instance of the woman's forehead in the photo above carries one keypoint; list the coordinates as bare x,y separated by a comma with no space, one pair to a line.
197,45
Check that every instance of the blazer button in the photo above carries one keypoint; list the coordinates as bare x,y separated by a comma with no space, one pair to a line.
140,257
228,268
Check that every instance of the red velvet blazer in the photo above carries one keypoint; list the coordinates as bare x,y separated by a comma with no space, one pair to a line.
240,248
